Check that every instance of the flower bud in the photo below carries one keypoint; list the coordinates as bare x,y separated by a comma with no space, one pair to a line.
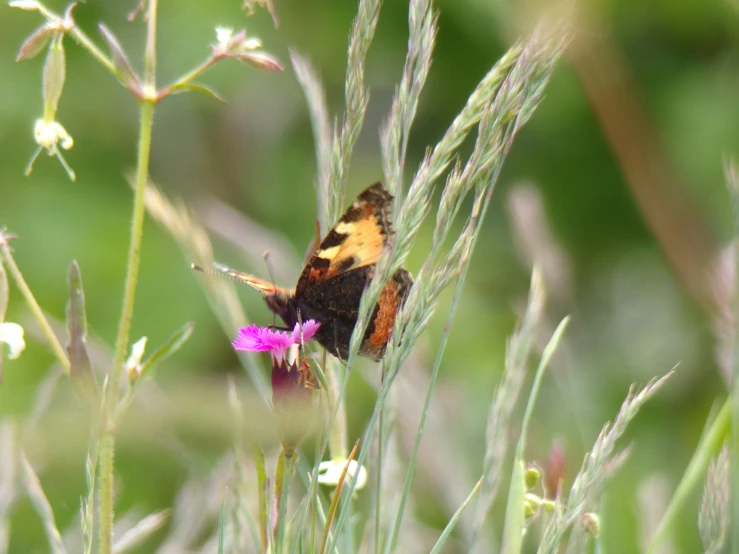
531,476
590,523
531,505
55,72
132,366
261,60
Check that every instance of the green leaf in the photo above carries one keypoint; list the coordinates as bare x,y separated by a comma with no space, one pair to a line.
35,43
191,87
79,359
174,343
125,71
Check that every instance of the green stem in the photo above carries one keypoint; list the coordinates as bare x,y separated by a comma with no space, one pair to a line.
38,313
194,73
105,501
107,444
134,250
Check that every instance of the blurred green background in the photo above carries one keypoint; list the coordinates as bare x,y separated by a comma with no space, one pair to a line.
633,130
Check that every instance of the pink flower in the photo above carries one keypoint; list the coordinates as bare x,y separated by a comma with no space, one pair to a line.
292,382
264,339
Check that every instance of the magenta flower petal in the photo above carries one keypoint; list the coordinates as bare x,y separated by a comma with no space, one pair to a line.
310,328
278,342
264,339
250,338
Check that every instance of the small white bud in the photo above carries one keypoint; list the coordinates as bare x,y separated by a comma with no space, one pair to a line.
12,335
133,364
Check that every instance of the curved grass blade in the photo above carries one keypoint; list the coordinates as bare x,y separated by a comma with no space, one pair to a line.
514,516
455,518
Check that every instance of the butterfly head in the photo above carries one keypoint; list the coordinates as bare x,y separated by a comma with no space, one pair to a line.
282,303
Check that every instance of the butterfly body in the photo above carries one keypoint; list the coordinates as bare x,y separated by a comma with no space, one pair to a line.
330,286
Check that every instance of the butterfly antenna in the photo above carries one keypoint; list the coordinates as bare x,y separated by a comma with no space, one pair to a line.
219,271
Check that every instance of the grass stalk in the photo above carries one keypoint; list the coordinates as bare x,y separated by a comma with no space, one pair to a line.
38,313
518,352
520,92
410,472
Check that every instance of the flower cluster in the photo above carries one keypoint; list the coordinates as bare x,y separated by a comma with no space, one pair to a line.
246,49
266,339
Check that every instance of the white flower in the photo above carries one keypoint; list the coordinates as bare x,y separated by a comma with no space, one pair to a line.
12,335
133,364
329,473
233,43
223,36
48,133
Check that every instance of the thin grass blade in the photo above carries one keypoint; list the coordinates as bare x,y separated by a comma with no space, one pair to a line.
221,528
8,479
693,476
41,505
315,96
454,519
173,344
518,352
140,532
514,518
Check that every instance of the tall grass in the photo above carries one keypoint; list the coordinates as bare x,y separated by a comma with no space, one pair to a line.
286,510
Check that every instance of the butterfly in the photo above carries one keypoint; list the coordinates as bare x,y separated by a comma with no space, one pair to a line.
332,282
